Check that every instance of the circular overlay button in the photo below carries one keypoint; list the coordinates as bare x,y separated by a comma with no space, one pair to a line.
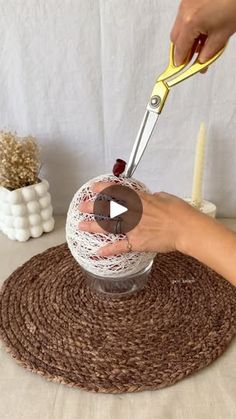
118,209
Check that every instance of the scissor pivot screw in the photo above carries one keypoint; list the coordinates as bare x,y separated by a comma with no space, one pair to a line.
155,101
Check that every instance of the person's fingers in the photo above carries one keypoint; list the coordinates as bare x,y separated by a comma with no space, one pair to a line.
102,207
117,192
87,207
175,30
116,248
98,187
114,192
91,227
214,43
183,46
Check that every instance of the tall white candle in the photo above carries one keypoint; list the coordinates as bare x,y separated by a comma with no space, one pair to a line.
196,199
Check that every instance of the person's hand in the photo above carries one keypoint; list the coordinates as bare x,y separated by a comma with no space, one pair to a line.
160,229
168,223
216,19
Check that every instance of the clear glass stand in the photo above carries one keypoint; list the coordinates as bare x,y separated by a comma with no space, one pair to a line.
118,287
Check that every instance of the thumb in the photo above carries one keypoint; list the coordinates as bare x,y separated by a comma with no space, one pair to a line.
214,43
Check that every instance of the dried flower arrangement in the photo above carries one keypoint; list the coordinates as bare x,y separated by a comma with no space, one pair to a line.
19,161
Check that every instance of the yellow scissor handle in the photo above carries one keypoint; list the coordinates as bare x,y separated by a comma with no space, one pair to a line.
166,80
172,69
190,71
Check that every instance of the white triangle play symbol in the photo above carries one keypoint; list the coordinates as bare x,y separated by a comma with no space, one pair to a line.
116,209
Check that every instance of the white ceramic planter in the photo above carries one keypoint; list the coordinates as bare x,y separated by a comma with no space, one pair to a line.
26,212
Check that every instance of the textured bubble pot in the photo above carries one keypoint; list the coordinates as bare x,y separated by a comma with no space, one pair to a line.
26,212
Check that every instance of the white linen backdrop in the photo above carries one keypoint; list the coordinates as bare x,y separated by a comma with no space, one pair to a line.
77,74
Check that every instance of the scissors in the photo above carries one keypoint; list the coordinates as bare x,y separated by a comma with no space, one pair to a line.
170,77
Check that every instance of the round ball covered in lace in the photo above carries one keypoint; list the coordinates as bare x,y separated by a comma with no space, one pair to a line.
84,245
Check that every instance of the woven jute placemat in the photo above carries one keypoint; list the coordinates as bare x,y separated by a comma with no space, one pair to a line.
52,324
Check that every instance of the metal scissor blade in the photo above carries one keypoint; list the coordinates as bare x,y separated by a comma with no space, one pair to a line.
144,134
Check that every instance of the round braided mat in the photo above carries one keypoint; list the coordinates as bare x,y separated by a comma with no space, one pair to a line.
54,325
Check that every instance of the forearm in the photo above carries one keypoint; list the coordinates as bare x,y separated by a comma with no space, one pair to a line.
213,244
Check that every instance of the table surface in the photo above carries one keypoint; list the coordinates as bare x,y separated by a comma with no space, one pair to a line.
209,393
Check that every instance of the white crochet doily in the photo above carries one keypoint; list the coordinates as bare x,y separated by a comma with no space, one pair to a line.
84,245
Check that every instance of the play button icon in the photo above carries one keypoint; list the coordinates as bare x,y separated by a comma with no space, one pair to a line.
118,209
